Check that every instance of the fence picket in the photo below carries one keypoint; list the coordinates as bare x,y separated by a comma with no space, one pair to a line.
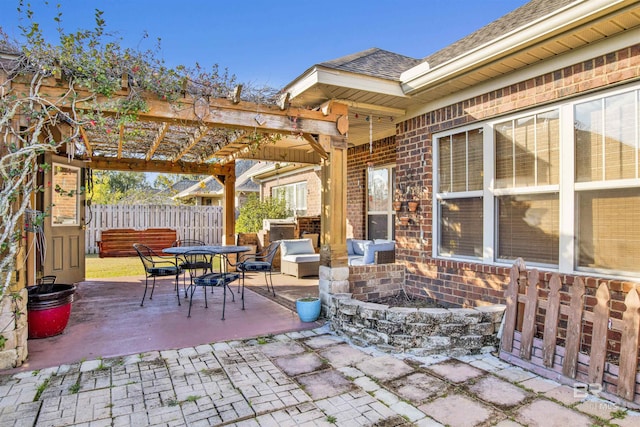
629,346
511,296
574,328
200,222
551,321
599,338
529,321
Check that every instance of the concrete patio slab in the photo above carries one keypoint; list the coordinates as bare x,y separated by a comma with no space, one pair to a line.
329,383
498,392
419,387
384,368
456,372
299,364
449,411
278,349
344,355
322,341
545,413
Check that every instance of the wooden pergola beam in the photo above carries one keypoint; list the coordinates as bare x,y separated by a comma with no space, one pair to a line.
315,145
193,141
140,165
86,142
220,112
156,143
120,140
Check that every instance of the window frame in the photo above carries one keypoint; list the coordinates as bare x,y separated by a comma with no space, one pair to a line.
567,186
297,211
439,196
76,195
389,212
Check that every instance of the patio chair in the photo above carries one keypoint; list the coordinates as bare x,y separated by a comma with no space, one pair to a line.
212,280
260,261
156,266
192,262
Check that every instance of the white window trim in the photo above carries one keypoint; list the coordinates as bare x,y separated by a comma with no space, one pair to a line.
389,212
78,171
567,188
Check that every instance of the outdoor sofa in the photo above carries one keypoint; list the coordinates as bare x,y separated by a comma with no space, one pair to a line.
298,258
366,252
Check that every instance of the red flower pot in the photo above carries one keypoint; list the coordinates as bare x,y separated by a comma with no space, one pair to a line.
48,312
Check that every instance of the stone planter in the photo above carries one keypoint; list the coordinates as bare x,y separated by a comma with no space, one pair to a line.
48,310
308,309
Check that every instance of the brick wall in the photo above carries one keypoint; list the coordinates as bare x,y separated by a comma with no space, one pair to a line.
373,282
384,153
467,284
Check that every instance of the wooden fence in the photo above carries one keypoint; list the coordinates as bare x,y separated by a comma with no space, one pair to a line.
543,356
191,222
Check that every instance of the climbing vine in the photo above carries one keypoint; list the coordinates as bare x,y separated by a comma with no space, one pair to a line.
87,68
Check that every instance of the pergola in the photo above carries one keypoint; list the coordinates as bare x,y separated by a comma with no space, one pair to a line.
206,136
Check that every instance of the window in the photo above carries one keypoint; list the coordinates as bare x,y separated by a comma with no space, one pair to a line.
380,215
295,196
606,175
459,194
65,199
527,172
559,187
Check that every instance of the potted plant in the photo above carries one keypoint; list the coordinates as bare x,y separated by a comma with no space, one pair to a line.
404,220
48,307
414,198
397,199
308,308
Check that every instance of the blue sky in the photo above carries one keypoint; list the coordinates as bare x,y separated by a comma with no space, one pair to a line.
271,42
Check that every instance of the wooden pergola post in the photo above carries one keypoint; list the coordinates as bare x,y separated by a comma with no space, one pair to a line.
229,212
334,269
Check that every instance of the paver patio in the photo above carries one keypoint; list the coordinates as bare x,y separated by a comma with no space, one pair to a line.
249,383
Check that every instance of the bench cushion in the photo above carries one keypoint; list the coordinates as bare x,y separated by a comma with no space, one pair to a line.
299,258
296,246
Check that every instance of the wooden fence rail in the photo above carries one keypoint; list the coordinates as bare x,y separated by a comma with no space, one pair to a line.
520,326
190,222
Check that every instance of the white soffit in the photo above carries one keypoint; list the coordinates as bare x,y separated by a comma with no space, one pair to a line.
422,76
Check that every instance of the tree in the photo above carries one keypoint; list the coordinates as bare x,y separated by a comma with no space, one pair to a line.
253,211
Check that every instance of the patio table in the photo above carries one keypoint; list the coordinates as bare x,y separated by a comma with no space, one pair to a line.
223,250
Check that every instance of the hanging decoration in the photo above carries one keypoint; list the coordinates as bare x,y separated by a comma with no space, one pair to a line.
370,135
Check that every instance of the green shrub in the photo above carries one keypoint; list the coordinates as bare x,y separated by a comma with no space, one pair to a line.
253,211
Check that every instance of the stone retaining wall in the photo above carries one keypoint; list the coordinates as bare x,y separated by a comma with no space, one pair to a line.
13,329
418,331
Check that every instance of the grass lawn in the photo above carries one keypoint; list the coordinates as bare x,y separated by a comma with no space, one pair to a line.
101,268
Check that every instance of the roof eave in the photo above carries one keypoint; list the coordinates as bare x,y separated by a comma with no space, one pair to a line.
322,75
422,77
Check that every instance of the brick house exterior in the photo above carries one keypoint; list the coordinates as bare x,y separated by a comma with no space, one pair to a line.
466,283
557,57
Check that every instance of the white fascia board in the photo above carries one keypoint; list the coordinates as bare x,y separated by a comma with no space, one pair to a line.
415,79
320,75
303,83
360,82
602,47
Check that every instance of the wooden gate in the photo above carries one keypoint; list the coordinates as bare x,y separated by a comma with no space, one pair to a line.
544,357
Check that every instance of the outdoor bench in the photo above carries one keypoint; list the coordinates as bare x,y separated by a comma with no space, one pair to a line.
119,242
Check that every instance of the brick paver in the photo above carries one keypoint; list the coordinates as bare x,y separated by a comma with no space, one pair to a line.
296,379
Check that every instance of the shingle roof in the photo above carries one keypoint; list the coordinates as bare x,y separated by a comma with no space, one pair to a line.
523,15
388,65
374,62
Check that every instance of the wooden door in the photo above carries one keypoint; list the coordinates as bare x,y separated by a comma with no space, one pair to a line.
64,249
